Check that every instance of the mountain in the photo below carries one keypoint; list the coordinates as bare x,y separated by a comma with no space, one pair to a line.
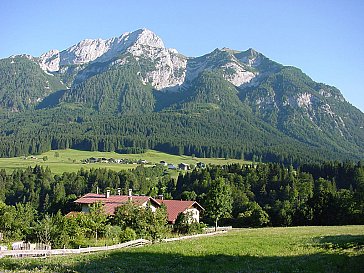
131,92
23,84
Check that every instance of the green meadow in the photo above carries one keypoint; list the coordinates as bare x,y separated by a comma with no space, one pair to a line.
70,160
294,249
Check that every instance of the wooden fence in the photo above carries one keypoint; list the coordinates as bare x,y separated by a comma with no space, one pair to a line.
65,251
51,252
193,236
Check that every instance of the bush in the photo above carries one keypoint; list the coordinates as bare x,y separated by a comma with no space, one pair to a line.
254,216
143,221
128,234
113,232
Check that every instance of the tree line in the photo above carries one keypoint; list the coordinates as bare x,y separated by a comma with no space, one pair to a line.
257,195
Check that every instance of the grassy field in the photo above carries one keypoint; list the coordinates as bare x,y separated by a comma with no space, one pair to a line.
70,160
298,249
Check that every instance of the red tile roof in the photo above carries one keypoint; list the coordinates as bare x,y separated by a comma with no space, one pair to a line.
175,207
114,201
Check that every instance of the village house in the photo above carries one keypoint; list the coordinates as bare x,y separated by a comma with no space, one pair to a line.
200,165
111,202
163,163
172,167
183,166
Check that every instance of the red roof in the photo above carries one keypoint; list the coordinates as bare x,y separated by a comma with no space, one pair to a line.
114,201
175,207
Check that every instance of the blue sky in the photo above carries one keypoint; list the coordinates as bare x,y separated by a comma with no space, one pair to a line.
324,38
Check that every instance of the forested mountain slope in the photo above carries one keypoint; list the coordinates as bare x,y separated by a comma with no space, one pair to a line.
131,92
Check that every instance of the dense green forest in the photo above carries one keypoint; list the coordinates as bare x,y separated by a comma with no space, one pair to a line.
259,195
208,134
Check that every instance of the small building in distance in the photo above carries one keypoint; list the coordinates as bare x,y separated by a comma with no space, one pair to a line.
183,166
201,165
163,163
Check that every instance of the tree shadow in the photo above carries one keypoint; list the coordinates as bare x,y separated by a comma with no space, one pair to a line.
353,242
51,100
137,260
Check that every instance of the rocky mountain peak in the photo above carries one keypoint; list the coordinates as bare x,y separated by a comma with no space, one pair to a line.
147,38
89,50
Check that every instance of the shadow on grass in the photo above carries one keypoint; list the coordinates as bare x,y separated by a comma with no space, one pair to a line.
140,261
353,242
340,254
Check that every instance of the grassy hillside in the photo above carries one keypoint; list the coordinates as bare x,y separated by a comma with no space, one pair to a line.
70,160
299,249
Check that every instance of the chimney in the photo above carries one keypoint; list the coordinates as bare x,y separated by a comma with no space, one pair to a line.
130,194
160,196
119,191
107,195
97,190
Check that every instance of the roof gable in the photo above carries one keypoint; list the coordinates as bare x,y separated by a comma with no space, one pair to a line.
175,207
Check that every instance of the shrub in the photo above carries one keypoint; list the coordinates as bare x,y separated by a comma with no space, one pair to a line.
185,224
128,234
113,232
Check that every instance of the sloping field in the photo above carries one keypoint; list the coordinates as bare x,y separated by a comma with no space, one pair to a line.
298,249
70,160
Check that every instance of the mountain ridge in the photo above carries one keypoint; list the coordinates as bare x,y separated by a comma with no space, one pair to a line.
135,74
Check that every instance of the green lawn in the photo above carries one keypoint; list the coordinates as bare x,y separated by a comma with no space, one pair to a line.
70,160
298,249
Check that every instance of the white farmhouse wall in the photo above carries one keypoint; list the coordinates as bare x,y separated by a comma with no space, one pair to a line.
151,206
195,213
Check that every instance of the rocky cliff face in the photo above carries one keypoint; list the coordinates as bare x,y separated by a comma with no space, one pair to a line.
163,68
166,66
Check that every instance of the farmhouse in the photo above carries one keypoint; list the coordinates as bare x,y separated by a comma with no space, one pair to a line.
163,163
172,167
175,207
201,165
183,166
111,202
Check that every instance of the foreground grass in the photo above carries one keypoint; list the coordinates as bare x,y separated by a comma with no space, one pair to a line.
70,160
300,249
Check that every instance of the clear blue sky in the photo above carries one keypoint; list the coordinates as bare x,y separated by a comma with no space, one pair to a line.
325,38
